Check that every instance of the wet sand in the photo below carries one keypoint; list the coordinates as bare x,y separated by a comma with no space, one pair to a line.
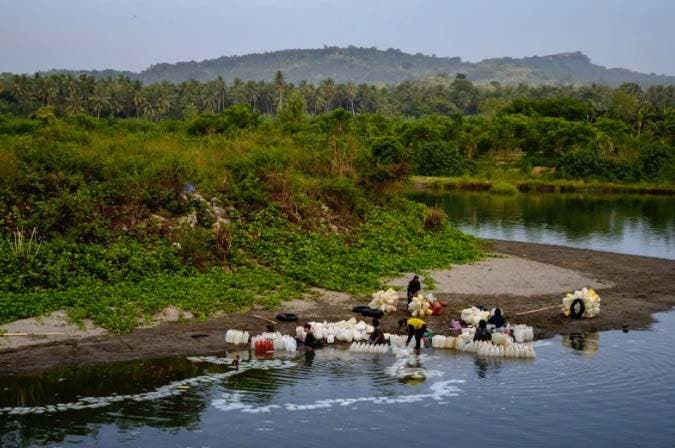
522,277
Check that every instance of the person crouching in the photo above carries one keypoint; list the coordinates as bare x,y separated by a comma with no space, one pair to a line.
482,332
416,327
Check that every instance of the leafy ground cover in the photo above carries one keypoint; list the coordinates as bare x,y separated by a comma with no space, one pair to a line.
116,220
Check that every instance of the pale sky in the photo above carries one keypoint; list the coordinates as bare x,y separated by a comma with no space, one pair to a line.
133,34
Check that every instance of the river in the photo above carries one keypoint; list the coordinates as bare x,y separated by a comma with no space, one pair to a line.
603,389
629,224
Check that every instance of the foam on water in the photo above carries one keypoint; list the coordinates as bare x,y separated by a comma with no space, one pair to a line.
172,389
407,365
438,392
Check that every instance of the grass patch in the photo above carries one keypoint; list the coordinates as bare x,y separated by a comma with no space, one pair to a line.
122,306
503,188
435,219
532,185
428,283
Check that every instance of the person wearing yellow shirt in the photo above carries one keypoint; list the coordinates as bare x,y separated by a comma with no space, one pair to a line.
416,327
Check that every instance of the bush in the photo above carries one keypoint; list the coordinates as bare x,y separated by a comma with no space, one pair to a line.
658,162
503,188
440,159
434,218
231,119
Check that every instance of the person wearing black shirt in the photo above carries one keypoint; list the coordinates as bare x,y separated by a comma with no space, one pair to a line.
413,288
310,340
497,319
482,333
377,336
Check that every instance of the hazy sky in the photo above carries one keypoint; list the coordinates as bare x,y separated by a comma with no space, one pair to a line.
132,34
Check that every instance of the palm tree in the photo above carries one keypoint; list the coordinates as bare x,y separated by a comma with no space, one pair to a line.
279,89
22,90
221,91
73,101
100,100
327,90
351,91
138,98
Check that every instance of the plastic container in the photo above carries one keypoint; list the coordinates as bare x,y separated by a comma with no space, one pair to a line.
438,341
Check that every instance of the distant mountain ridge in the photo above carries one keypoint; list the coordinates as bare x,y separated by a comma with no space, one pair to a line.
373,66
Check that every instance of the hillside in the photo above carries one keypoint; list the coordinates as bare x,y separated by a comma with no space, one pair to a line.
372,66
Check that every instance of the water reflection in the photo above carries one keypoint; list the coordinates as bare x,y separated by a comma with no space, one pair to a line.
641,225
487,367
309,357
586,344
66,385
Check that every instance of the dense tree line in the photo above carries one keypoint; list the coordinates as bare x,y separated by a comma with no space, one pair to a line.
442,123
122,97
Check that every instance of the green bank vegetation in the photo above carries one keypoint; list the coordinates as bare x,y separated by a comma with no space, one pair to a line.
116,219
118,199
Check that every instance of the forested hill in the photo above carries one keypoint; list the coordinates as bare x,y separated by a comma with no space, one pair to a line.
372,66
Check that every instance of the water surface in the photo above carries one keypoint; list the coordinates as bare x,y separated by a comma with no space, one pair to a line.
629,224
606,389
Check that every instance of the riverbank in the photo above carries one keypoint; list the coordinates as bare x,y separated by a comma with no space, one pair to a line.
512,186
632,288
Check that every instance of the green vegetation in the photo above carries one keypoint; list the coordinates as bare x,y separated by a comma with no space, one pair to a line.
373,66
440,127
115,219
118,199
503,188
527,184
435,219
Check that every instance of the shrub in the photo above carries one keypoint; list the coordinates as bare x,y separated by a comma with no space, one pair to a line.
434,218
440,159
503,188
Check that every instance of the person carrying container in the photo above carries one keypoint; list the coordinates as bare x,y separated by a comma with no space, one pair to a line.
416,327
482,332
413,288
377,336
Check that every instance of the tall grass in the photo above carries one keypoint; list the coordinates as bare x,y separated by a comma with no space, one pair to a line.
24,248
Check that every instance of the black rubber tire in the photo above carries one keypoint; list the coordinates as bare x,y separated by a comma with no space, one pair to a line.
574,313
372,313
287,317
360,309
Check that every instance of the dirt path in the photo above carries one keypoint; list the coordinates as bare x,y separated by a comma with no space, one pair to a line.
524,277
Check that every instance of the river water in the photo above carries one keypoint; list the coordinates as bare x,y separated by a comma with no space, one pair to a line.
629,224
604,389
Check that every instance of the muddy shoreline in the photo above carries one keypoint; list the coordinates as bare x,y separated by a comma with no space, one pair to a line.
639,287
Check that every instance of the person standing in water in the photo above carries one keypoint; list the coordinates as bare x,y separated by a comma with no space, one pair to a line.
413,288
416,327
310,341
377,336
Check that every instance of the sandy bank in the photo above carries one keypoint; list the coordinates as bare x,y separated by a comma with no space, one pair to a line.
525,276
